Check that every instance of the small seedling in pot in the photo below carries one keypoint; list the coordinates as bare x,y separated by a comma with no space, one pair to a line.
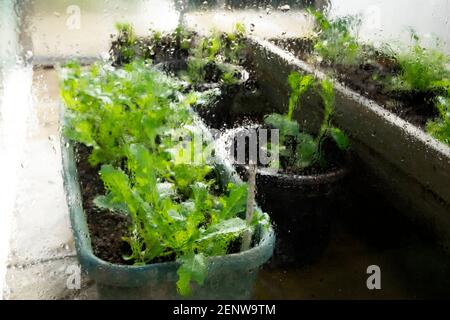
298,149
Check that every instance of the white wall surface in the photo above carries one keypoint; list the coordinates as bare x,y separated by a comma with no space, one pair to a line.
390,20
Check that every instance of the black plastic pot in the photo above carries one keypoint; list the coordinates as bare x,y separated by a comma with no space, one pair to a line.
302,209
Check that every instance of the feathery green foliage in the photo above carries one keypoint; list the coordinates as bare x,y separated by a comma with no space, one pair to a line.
421,69
440,128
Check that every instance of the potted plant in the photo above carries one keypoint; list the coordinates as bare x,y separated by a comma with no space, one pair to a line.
158,47
308,171
149,221
215,62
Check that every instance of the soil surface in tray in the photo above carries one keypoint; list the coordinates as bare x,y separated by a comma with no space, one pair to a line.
414,107
106,228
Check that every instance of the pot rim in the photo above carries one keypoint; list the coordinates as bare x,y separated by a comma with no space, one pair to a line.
323,178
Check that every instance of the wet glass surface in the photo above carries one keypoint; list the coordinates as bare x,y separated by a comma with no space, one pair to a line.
327,240
383,19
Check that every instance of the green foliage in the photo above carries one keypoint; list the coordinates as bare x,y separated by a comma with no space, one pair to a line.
133,118
126,46
299,85
108,117
440,128
219,50
183,38
211,58
234,44
126,42
421,69
441,86
186,175
127,30
336,43
232,204
340,138
300,149
196,72
229,78
194,268
286,126
224,47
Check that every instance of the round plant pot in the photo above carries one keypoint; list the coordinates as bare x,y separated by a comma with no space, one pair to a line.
302,210
301,207
216,114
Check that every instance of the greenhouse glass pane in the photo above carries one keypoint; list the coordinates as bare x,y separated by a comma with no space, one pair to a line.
224,149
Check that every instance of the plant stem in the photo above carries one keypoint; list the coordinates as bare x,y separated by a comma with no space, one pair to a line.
247,237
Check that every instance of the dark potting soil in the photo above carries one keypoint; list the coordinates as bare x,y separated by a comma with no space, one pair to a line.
415,107
221,114
213,74
106,228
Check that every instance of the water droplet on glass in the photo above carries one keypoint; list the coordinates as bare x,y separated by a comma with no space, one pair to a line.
284,8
